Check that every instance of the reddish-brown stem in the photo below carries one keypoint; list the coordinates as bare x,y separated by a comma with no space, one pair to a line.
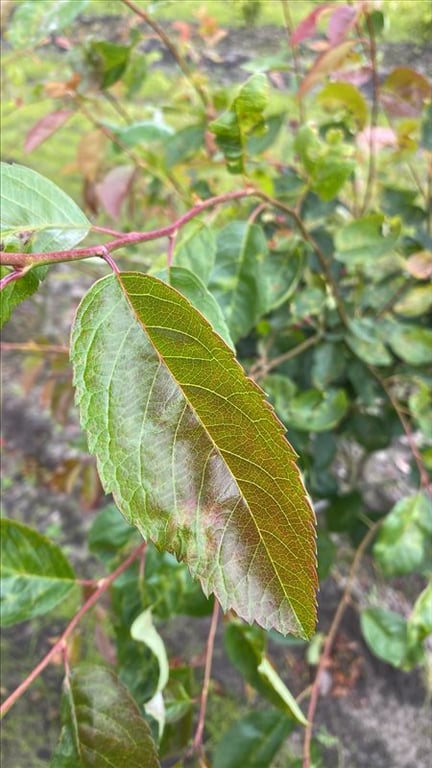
131,238
104,584
171,246
172,49
328,645
198,740
374,115
10,278
106,231
296,62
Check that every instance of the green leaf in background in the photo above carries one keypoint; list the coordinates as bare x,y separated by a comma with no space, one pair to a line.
366,239
243,119
184,144
314,411
404,543
386,635
365,340
420,620
34,21
102,727
195,291
35,574
36,215
144,132
170,589
195,249
109,533
253,741
329,363
191,452
108,60
269,674
412,343
426,129
327,163
241,275
420,403
345,97
284,271
19,290
246,650
417,301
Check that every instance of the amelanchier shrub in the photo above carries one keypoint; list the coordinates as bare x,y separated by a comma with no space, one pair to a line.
296,213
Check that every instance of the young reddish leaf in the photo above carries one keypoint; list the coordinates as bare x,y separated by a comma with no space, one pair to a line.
90,153
328,62
307,26
404,92
377,137
45,127
340,23
193,455
114,189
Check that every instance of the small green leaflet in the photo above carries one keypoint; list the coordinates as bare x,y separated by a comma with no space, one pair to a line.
192,453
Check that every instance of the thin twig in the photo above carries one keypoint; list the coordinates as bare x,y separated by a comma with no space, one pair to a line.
181,61
262,367
129,238
424,476
374,115
340,306
104,584
296,62
328,645
198,740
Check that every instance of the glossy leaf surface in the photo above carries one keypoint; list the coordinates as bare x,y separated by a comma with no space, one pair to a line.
102,727
193,455
36,215
36,576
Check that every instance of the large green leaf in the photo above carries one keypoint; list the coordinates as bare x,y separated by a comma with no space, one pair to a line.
404,544
35,574
36,215
102,727
309,411
32,21
253,741
193,455
243,119
242,278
